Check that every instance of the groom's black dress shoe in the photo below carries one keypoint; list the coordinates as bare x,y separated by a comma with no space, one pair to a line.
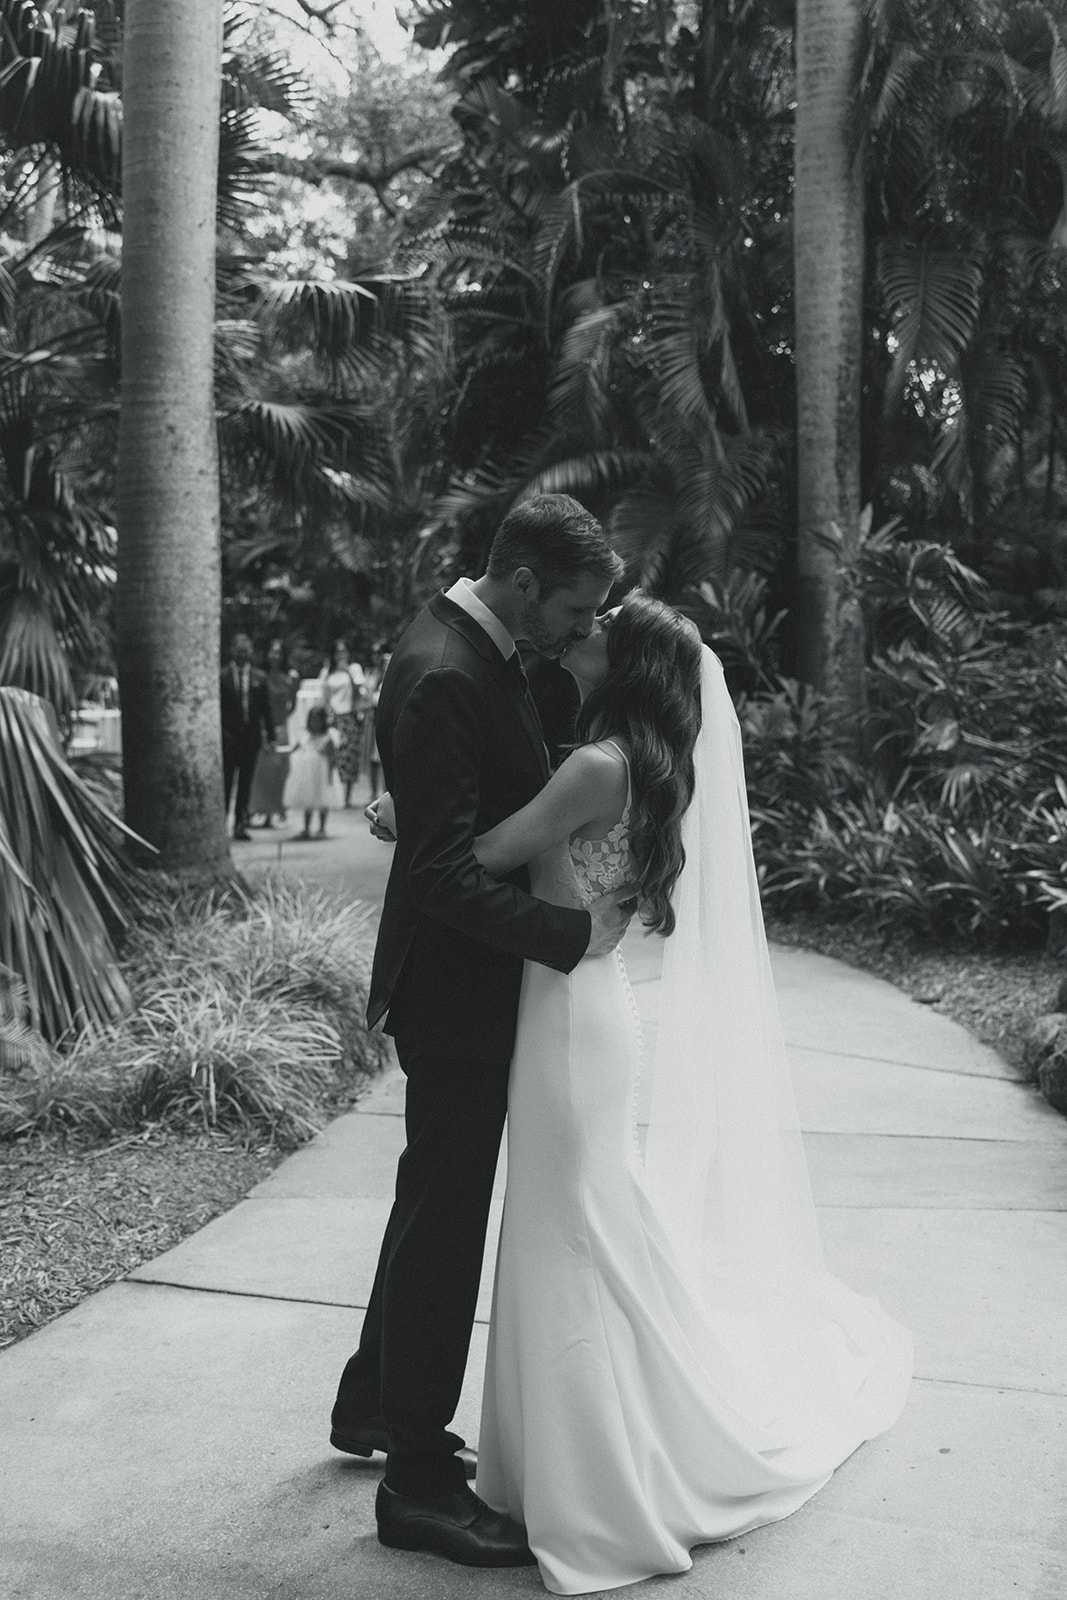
365,1441
458,1526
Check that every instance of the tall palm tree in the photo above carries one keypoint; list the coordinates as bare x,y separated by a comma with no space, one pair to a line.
167,494
828,266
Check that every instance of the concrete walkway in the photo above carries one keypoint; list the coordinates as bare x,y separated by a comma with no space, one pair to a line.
168,1438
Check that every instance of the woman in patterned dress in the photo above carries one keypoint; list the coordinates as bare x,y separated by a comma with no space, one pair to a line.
343,688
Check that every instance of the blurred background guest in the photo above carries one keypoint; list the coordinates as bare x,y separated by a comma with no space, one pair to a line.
272,763
312,782
371,760
343,682
246,725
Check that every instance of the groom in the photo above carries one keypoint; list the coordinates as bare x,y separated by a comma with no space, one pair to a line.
461,749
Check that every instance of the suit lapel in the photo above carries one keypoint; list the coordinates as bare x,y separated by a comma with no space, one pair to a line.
454,616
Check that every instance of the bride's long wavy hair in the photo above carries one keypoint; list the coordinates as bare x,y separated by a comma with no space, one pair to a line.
651,697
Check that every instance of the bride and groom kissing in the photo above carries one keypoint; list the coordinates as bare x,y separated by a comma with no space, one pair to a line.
669,1363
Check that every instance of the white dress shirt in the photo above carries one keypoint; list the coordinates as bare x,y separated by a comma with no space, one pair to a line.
462,594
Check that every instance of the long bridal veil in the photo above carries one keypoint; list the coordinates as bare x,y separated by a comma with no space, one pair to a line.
724,1164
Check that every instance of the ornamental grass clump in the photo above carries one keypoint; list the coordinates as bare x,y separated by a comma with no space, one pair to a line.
247,1017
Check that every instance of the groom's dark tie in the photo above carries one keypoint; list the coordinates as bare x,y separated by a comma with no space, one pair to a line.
519,671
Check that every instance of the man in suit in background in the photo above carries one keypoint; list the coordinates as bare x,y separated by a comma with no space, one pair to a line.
246,724
461,748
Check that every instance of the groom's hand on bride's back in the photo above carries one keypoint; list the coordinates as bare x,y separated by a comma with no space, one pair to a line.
611,915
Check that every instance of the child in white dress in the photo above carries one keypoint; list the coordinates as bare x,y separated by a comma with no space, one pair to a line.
312,783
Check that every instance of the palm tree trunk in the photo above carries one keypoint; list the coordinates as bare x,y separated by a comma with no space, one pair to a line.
168,598
829,319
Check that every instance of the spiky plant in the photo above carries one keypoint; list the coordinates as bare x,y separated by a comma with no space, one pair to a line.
66,879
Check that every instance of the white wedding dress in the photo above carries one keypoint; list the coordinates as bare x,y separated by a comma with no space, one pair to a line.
641,1397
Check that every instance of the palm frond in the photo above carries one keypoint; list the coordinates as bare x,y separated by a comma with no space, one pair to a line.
1035,42
580,385
560,227
597,473
997,392
643,526
674,354
321,452
716,156
946,618
905,71
933,298
21,1047
343,320
66,879
31,656
48,97
265,80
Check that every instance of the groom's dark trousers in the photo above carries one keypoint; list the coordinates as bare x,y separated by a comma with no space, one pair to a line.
461,749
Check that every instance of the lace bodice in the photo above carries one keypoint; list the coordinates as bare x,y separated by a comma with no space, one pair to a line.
578,871
600,865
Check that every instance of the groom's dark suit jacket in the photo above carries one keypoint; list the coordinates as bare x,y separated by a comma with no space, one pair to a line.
461,749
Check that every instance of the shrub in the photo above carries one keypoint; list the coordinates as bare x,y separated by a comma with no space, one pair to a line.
956,829
248,1016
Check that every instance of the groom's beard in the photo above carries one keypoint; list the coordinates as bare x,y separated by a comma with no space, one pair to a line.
538,635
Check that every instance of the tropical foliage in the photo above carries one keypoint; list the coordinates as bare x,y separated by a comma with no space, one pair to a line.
601,237
67,884
604,238
587,243
248,1016
956,829
297,358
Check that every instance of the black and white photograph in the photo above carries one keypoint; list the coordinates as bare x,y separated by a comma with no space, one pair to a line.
533,799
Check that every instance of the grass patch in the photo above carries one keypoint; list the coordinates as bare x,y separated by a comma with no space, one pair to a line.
248,1018
247,1035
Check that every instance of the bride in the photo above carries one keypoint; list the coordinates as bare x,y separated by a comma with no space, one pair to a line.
669,1361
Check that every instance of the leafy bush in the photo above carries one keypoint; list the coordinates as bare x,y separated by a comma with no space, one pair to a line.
66,879
957,828
908,866
248,1015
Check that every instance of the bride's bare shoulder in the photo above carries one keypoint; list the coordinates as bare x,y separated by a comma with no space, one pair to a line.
601,772
611,746
602,756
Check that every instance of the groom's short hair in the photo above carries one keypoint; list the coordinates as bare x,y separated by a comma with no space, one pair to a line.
557,538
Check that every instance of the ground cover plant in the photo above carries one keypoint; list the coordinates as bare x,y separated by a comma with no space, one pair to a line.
246,1035
946,820
247,1019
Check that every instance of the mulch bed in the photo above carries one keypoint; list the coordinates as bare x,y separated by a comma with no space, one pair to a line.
72,1221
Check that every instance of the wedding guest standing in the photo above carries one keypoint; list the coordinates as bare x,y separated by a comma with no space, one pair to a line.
344,697
312,782
246,725
272,763
371,755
